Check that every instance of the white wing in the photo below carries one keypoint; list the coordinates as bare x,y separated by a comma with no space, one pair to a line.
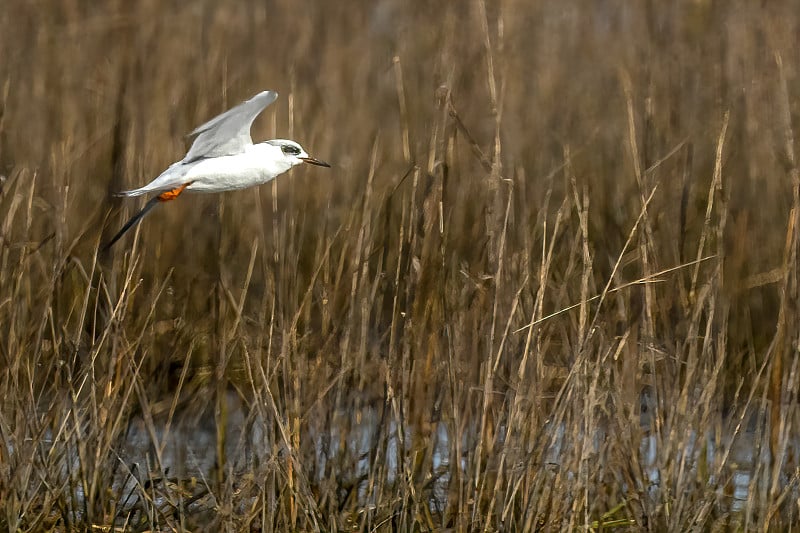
228,133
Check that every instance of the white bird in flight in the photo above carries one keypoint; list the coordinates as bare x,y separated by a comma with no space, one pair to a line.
223,158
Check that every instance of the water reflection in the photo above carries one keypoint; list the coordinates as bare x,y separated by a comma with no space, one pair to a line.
370,443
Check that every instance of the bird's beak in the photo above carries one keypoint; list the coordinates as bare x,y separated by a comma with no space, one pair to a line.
317,162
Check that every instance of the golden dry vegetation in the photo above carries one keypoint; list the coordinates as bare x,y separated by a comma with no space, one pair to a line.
550,283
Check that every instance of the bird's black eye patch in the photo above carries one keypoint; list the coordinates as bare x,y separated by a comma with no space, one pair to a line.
288,149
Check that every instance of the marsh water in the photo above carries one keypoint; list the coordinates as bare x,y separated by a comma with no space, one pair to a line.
187,450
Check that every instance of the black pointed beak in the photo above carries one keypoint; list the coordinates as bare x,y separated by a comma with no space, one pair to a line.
317,162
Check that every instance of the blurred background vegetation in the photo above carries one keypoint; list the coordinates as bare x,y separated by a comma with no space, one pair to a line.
550,282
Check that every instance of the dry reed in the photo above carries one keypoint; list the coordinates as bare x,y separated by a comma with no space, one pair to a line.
551,282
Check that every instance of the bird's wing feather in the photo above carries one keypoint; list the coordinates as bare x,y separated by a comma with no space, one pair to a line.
228,133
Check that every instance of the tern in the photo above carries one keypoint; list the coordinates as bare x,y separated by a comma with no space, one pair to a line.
223,158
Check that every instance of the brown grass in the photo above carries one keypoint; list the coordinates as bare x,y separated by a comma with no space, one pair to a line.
551,282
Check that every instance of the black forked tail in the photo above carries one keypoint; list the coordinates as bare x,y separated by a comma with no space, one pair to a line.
133,221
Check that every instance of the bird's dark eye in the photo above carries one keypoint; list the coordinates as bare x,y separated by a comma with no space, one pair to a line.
288,149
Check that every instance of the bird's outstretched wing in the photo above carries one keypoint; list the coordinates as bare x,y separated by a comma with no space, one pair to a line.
228,133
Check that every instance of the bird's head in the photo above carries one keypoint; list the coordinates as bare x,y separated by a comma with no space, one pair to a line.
293,154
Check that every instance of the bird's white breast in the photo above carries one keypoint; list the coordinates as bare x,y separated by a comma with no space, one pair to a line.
258,164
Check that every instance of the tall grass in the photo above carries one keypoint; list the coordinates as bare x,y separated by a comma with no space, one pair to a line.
551,282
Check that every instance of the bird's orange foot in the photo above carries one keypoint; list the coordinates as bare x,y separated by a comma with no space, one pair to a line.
166,196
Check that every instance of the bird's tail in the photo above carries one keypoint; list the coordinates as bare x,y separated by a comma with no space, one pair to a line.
132,192
133,220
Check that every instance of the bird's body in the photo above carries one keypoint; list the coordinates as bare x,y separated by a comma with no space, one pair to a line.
258,164
223,158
